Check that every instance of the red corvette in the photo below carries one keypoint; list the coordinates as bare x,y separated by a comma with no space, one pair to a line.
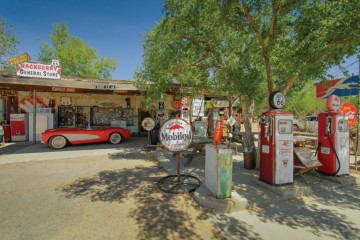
58,138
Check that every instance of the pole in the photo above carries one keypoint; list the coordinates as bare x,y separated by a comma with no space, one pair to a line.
178,165
34,117
358,120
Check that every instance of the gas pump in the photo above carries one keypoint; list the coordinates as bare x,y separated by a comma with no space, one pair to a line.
276,143
333,140
184,114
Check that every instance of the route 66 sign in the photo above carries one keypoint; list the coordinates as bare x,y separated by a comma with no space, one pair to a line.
277,100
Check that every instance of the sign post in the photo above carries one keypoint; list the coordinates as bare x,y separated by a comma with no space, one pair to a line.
148,124
175,136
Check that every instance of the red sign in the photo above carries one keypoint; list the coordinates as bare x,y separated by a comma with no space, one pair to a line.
62,89
333,103
349,110
346,86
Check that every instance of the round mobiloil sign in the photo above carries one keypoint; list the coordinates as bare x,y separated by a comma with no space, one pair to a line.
176,135
333,103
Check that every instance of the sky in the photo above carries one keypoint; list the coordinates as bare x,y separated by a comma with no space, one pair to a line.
115,28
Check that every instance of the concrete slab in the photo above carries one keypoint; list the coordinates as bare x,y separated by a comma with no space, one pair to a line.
206,199
286,191
248,190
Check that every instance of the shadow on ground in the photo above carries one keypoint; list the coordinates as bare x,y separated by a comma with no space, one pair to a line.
159,215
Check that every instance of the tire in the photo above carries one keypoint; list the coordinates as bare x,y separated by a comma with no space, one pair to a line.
57,142
115,138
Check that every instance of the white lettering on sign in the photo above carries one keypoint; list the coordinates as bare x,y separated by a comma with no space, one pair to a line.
105,87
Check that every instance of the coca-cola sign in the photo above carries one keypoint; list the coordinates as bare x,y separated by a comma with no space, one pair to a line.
176,135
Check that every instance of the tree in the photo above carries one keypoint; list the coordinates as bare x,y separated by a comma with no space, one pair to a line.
299,40
247,48
8,44
76,58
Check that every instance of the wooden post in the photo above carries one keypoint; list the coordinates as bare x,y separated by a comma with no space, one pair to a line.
34,117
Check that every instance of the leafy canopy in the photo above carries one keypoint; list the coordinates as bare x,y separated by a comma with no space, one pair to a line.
76,58
247,47
8,44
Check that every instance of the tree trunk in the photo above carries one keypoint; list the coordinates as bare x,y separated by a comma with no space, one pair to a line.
247,118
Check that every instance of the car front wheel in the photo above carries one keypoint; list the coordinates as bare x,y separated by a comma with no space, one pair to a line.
57,142
115,138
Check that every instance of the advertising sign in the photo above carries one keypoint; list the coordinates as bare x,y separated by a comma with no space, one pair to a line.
333,103
349,109
347,86
19,59
28,104
176,135
38,70
148,124
198,106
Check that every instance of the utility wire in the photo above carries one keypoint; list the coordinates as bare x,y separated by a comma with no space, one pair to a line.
344,68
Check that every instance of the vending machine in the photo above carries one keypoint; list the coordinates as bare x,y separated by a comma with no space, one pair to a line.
333,140
19,127
43,120
276,144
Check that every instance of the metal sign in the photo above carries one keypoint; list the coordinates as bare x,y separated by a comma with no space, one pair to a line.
349,109
176,135
105,87
198,106
38,70
148,124
19,59
347,86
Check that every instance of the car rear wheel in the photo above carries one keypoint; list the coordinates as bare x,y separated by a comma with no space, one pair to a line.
115,138
57,142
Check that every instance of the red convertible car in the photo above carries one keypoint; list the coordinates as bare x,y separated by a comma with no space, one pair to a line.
58,138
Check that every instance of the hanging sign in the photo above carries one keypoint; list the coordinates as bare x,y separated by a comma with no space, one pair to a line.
347,86
176,135
349,109
198,106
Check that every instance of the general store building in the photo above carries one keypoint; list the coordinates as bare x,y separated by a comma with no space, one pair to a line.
79,102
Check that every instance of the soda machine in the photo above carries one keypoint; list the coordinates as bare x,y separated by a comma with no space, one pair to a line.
44,120
19,127
276,143
333,140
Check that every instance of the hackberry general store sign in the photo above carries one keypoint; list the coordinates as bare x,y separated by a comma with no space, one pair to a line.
38,70
176,135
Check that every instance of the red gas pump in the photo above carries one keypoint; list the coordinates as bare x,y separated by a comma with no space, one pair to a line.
333,139
276,143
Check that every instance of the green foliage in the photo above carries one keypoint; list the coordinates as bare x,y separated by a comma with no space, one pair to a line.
192,45
76,58
250,48
304,102
8,44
